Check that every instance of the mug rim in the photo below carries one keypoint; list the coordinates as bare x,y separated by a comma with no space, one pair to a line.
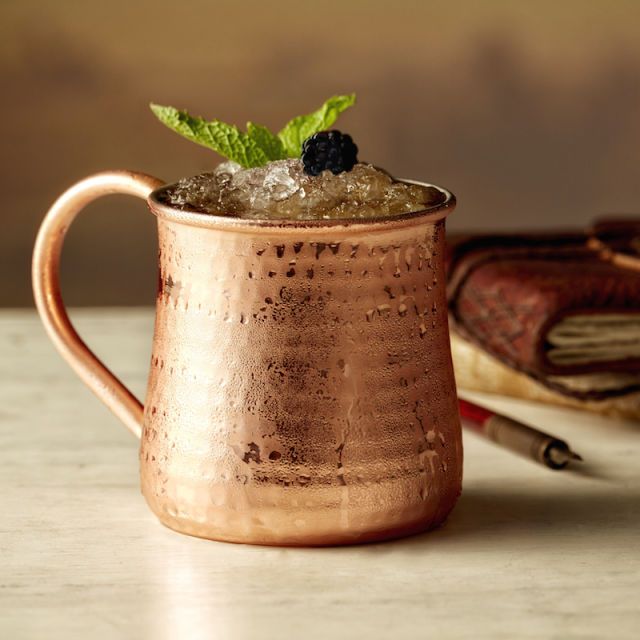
428,215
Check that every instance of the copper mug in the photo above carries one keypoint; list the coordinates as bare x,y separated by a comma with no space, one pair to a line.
301,389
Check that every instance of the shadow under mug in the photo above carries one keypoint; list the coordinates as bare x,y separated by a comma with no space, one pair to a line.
301,389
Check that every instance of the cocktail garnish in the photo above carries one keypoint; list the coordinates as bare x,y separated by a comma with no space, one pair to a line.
332,150
257,146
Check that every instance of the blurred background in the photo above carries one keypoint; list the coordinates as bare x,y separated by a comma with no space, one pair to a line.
528,111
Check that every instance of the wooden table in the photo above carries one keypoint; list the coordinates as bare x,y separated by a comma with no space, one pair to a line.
528,553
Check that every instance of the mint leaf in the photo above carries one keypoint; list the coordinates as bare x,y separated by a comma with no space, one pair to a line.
267,141
296,131
223,138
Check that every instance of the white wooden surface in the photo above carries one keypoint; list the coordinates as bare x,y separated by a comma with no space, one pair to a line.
528,553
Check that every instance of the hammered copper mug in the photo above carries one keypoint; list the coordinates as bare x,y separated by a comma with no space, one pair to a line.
301,388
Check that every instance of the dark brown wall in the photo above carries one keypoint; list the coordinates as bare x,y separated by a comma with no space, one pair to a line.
529,111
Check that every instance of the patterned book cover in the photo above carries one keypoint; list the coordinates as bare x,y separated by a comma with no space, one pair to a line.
563,309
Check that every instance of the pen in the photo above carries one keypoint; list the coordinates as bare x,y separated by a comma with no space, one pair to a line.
518,437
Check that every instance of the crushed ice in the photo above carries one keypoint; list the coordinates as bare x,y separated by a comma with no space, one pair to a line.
282,190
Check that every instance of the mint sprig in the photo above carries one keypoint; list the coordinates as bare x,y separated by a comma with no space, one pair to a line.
258,145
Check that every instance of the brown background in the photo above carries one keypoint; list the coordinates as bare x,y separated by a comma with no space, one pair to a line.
528,111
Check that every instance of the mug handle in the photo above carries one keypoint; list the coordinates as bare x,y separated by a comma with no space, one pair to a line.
46,287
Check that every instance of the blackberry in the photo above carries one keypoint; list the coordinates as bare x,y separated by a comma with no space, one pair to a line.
331,150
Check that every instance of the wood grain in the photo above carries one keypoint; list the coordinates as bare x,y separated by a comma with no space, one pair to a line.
528,553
